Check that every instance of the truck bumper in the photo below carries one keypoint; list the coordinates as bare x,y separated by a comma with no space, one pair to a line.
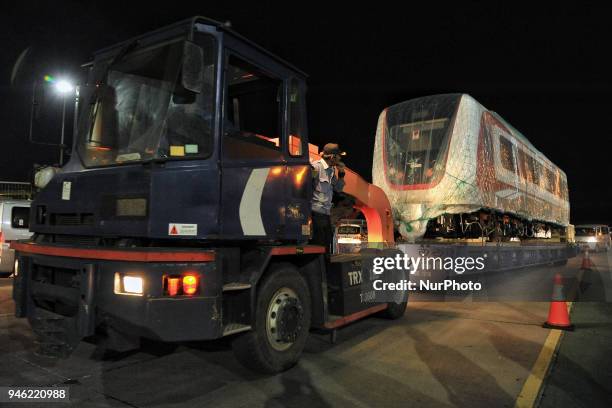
76,297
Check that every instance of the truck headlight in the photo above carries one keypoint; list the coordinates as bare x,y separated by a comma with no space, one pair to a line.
349,241
44,176
128,284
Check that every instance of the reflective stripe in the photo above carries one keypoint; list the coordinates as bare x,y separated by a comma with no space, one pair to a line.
148,255
250,204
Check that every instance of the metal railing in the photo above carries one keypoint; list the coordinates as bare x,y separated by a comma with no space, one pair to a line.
11,190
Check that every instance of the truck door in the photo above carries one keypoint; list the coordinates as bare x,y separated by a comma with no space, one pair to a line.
298,180
254,164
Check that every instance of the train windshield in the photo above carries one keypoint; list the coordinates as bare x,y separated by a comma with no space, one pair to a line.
417,138
139,109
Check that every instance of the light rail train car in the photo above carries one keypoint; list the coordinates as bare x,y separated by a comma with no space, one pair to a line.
454,169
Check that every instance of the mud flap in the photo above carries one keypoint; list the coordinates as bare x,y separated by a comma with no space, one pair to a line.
57,334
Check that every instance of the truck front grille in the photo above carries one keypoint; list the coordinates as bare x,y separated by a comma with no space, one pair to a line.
68,278
80,240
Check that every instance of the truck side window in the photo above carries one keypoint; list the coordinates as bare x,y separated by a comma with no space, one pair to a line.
297,120
252,124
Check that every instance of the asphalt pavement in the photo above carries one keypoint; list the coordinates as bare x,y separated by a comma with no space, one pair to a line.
465,352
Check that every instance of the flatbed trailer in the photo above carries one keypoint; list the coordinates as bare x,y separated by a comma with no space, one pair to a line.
499,256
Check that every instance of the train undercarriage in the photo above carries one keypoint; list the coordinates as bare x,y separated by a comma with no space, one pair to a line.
492,226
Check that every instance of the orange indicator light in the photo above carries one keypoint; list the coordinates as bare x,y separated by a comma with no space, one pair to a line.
173,286
190,284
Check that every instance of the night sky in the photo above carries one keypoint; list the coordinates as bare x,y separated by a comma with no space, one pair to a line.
546,69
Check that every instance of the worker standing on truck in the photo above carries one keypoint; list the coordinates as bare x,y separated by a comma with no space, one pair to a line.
325,182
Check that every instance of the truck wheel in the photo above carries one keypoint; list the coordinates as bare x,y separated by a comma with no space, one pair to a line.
282,322
394,310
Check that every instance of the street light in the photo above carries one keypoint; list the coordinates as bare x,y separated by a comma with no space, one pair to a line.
64,87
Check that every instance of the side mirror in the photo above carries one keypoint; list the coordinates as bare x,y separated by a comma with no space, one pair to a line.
193,67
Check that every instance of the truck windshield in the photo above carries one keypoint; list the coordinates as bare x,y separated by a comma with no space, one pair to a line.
141,111
416,139
585,232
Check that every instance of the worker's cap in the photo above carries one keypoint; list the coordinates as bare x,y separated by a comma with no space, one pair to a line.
333,148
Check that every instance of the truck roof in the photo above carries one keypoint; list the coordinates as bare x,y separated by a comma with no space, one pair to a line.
190,22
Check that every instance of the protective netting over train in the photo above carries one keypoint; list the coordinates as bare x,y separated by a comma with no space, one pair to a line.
447,154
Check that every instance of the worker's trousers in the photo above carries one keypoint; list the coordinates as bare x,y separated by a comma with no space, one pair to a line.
322,233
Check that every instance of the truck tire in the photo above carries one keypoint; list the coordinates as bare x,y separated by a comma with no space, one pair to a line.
281,322
394,310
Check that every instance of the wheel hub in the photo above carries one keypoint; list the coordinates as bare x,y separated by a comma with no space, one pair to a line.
289,320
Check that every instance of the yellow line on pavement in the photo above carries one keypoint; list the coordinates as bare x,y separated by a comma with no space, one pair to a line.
531,389
528,395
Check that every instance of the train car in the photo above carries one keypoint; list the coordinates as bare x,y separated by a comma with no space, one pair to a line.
454,169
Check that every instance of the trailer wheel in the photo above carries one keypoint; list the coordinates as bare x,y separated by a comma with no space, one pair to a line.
394,310
282,321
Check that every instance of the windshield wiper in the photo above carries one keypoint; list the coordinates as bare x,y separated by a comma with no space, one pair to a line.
154,160
116,58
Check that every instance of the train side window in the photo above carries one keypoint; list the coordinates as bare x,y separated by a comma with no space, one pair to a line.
564,192
506,153
549,180
523,160
252,124
557,185
536,170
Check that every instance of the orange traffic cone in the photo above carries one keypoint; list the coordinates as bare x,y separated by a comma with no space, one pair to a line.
586,260
558,317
